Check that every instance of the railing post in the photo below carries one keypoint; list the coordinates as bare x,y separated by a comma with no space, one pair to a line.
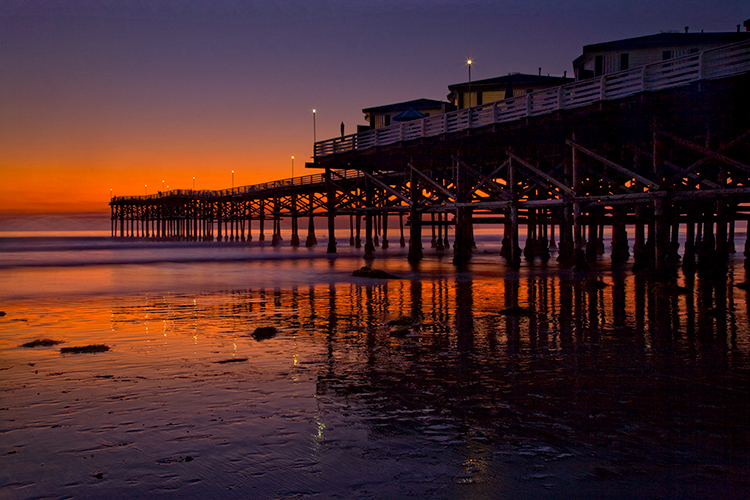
701,68
528,105
602,85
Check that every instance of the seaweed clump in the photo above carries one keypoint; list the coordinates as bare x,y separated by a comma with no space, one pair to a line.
264,333
41,343
401,321
368,272
84,349
517,311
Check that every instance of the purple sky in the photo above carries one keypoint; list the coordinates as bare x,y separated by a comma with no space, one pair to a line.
133,86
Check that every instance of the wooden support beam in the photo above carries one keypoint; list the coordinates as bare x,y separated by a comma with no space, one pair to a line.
705,160
610,163
709,153
486,181
562,187
681,172
388,189
331,211
432,183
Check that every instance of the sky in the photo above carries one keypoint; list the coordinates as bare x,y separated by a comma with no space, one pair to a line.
135,95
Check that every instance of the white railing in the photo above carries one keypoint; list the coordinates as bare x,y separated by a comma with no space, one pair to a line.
305,180
710,64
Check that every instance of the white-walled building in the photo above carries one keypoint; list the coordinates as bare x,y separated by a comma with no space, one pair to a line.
621,55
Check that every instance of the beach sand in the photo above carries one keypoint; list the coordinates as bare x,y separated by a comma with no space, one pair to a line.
411,388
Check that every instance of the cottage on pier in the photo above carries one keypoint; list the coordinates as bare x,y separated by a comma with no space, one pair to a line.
389,114
622,55
463,95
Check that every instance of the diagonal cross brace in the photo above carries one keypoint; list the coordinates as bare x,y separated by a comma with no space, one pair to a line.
345,193
387,188
681,172
487,181
702,161
565,189
434,184
614,165
711,154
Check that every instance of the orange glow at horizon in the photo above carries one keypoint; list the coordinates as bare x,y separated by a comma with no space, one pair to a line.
58,189
38,180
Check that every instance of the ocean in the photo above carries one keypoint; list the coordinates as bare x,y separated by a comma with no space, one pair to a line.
248,371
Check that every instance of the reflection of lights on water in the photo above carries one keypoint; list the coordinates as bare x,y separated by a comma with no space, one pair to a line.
320,427
472,467
295,361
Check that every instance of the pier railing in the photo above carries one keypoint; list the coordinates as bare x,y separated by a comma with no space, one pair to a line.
305,180
710,64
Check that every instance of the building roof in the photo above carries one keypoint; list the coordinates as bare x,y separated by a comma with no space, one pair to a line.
416,104
666,40
501,82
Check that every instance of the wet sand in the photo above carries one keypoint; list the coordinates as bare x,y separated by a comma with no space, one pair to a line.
627,390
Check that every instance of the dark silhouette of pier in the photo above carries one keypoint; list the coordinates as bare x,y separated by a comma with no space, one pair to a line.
662,150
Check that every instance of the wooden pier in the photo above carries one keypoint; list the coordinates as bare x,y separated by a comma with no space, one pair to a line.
662,151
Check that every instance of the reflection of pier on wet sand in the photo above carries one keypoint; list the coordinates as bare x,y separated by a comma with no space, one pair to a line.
612,386
608,394
661,151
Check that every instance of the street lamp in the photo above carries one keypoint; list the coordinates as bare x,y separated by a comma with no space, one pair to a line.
468,63
145,189
232,179
315,135
193,183
110,193
292,167
162,185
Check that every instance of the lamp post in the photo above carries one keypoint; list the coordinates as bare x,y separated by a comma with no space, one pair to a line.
145,189
468,63
232,179
315,135
110,193
193,183
292,167
162,186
